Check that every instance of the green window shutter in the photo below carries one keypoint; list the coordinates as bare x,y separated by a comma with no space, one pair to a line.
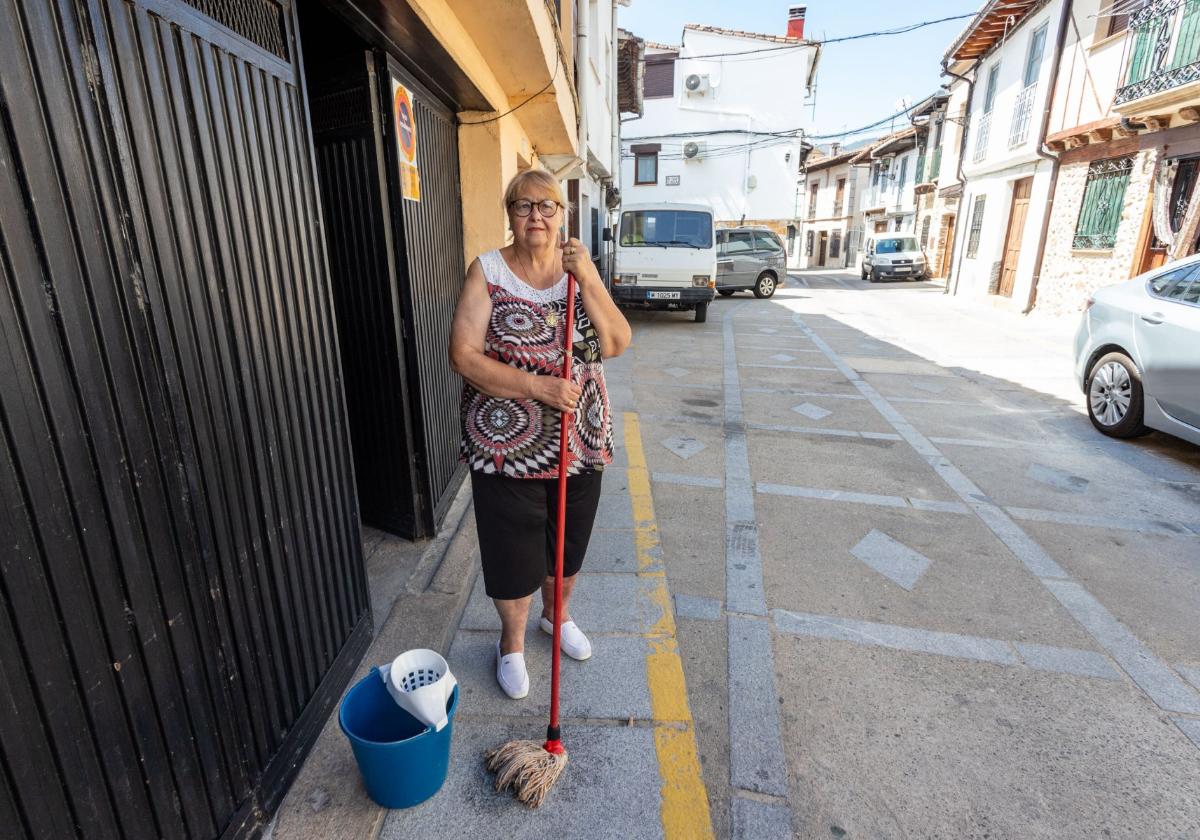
1187,44
1143,45
1103,200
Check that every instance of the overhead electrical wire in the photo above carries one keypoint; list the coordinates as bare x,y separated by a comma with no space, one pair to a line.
881,33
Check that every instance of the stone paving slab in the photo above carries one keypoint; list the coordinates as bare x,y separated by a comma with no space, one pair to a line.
899,744
611,551
612,684
974,586
1151,584
609,791
601,603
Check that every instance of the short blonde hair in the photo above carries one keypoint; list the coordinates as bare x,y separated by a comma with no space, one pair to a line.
541,181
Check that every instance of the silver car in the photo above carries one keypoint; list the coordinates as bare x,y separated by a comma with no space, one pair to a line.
1137,354
750,259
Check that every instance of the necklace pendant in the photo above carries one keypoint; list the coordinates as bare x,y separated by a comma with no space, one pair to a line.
552,319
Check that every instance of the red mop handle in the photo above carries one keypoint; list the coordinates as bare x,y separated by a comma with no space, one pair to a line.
553,736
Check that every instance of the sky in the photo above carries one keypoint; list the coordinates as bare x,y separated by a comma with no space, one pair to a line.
858,82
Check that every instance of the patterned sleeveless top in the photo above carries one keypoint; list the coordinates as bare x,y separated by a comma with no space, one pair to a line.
520,438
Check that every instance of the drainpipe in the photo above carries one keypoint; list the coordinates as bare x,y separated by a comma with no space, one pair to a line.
1055,161
582,84
963,212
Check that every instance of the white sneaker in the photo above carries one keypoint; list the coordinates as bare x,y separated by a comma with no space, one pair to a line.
511,674
574,644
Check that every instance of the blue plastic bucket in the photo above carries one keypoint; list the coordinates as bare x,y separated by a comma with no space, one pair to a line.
403,762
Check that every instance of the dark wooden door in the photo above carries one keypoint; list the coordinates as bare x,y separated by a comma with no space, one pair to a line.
823,247
183,594
1022,190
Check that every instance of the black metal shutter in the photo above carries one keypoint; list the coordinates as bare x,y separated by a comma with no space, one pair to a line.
432,270
183,593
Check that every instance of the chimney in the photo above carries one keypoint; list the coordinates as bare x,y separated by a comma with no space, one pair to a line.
834,148
796,21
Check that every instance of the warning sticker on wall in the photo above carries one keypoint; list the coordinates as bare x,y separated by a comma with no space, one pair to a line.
406,141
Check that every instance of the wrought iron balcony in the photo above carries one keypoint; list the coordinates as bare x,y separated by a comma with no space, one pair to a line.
1163,68
1022,112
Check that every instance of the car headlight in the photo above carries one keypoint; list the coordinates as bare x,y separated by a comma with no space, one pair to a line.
882,261
627,279
702,281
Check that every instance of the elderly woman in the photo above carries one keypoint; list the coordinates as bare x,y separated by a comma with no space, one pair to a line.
507,343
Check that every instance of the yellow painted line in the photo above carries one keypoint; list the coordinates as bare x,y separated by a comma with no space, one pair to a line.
684,810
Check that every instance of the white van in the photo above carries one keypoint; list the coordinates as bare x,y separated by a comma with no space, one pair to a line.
666,257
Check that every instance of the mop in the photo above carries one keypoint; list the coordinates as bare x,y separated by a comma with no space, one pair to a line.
530,769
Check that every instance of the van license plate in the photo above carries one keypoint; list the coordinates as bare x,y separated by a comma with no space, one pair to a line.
903,270
662,295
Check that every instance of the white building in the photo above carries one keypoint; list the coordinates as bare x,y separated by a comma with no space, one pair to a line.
830,227
711,124
593,172
1005,57
890,203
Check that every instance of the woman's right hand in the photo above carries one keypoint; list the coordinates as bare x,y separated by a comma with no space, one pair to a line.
556,392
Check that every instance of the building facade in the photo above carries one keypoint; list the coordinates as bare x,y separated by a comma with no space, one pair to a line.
716,130
1124,126
889,204
1007,58
830,227
936,202
232,264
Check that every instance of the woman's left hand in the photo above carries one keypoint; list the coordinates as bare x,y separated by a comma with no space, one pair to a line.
577,260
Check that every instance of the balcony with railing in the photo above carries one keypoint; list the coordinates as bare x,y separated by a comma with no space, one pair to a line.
983,131
1022,116
1162,71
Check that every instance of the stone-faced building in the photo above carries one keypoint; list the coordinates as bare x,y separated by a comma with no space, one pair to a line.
1124,126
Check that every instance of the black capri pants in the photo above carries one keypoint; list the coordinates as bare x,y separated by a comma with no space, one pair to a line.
517,523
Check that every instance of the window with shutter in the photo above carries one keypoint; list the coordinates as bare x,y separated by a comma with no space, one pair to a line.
1103,200
659,80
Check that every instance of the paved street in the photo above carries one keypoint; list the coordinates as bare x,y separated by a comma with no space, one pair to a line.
914,593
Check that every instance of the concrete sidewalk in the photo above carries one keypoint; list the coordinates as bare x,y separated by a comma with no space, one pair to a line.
634,770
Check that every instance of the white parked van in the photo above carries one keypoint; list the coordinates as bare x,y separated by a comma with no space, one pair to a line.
666,257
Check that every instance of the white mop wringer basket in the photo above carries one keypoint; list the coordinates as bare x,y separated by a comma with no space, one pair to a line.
421,683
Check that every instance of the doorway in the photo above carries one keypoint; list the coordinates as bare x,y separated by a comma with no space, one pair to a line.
393,230
822,247
1022,191
945,241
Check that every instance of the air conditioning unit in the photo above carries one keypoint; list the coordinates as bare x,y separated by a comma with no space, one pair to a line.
697,84
694,149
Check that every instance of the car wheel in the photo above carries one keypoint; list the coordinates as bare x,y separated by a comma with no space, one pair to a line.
874,278
1114,396
764,286
701,313
725,292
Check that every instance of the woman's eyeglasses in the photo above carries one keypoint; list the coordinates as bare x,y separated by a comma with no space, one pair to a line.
523,207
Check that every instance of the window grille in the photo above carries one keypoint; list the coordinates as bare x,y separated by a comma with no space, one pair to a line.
1022,116
1103,200
976,226
261,22
835,244
983,130
925,232
808,243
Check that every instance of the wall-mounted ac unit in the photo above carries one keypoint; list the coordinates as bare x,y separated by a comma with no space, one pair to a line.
697,84
694,149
